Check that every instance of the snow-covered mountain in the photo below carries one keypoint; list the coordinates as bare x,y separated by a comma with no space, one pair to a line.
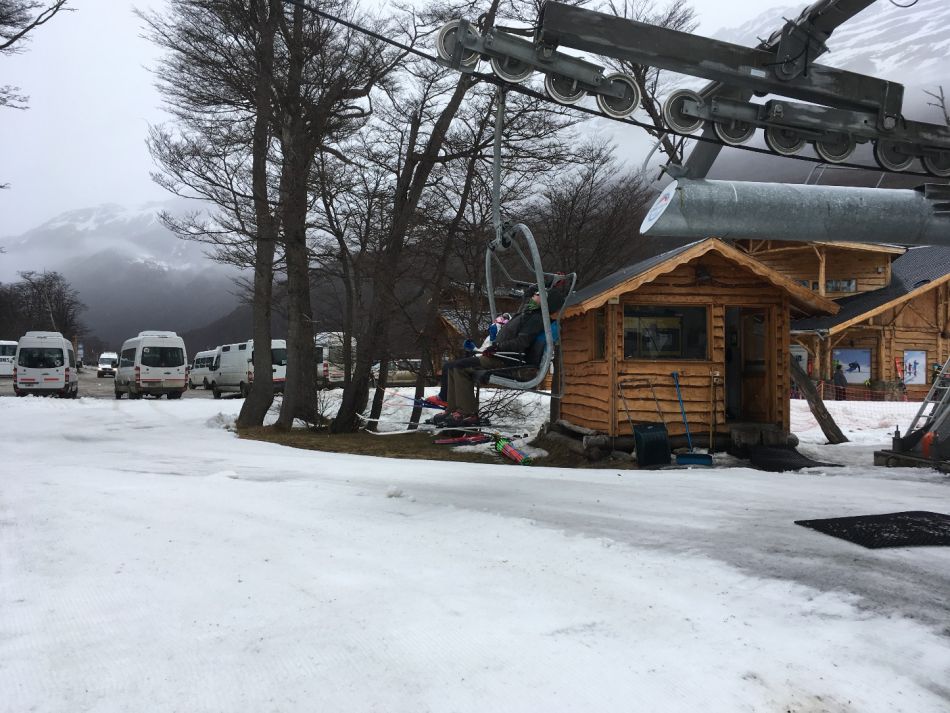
130,270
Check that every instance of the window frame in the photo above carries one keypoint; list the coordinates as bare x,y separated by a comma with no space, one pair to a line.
707,312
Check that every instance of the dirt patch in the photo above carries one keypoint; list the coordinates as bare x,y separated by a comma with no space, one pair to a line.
417,445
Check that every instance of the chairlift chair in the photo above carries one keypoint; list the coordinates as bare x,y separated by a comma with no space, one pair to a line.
518,238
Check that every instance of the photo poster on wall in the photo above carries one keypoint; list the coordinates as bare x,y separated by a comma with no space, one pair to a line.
855,363
799,354
915,366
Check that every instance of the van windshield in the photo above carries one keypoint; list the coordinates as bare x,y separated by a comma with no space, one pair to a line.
40,358
163,356
278,357
7,349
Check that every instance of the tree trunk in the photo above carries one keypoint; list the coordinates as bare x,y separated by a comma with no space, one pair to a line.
300,388
259,401
817,406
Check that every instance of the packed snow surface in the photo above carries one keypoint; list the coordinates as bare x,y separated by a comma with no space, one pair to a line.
151,560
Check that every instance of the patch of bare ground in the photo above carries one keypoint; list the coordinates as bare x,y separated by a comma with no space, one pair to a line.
418,445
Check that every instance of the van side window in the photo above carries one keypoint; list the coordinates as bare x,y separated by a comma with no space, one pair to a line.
242,347
226,349
128,357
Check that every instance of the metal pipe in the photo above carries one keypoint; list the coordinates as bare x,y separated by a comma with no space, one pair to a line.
699,209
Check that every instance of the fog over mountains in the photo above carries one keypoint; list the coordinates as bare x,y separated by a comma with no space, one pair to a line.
130,271
133,274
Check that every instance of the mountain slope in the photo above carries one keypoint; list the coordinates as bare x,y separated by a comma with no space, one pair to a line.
131,272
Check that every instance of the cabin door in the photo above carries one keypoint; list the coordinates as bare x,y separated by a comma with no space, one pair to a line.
749,352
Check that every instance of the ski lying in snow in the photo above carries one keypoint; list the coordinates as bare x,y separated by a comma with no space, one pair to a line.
469,439
499,430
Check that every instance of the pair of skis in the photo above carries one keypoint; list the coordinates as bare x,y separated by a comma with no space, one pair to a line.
468,436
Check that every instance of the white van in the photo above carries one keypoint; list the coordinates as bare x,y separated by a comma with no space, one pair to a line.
329,354
107,364
45,365
7,357
152,363
203,369
235,371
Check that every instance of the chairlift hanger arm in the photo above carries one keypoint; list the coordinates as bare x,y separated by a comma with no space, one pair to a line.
835,109
760,70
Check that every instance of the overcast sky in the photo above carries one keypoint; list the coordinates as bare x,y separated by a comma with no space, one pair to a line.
82,142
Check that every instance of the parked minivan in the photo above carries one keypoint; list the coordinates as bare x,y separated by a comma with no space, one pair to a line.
7,357
108,363
203,369
329,355
235,372
45,365
152,363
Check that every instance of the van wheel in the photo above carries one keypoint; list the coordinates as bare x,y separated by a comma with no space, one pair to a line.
245,390
133,395
214,390
174,395
118,394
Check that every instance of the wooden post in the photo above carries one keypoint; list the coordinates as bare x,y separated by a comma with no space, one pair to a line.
817,406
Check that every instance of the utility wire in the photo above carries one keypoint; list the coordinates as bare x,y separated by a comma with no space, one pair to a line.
520,89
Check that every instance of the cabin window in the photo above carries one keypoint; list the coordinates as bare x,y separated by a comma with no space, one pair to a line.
664,332
849,285
600,334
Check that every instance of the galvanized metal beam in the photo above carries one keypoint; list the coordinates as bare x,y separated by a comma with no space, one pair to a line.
699,209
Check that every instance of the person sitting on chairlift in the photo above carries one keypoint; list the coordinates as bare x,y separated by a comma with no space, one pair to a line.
515,337
470,360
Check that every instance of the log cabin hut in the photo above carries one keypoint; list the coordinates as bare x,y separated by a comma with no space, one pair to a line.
708,311
896,333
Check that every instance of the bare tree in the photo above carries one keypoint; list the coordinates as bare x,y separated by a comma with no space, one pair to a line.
217,79
940,103
587,219
675,15
47,301
18,18
325,96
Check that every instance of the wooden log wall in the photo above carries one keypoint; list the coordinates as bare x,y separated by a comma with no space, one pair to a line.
587,391
921,323
871,270
591,392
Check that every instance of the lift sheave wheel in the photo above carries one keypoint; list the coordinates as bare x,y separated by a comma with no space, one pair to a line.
785,142
673,112
563,90
835,149
937,163
889,156
511,69
733,132
445,45
620,107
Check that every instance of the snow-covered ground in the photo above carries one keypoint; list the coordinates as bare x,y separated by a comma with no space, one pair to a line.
152,561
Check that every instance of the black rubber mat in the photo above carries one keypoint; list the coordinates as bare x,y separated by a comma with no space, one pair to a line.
778,460
896,529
